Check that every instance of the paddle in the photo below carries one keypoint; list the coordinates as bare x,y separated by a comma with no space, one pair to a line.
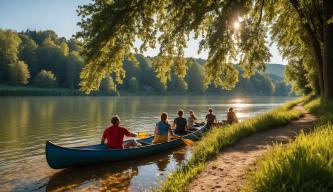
142,135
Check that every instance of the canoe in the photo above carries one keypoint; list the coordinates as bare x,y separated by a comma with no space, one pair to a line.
63,157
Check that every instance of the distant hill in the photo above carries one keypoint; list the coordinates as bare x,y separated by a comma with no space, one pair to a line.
275,69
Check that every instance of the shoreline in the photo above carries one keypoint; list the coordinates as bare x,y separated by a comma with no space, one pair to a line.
210,145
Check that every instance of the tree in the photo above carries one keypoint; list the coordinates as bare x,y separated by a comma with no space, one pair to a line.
195,78
45,79
9,48
19,73
133,85
108,86
110,28
72,67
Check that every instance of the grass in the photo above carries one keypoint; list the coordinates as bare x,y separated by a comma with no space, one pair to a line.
306,164
219,138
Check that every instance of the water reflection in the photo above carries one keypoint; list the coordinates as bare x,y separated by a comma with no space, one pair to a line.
27,122
113,176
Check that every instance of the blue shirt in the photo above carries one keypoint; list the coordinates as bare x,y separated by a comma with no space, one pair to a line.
162,128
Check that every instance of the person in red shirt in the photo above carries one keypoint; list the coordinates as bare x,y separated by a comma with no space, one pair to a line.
115,135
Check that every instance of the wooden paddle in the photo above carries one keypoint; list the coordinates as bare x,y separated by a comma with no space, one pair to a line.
143,135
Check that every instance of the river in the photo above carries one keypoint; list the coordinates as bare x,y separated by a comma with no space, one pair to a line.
27,122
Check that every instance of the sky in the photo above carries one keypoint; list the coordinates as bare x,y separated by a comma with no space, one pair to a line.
61,17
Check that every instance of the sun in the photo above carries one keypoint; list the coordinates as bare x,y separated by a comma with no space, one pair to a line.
236,25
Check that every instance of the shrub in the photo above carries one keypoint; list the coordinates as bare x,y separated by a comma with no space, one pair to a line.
108,86
45,79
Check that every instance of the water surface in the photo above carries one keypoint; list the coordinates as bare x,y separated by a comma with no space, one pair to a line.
27,122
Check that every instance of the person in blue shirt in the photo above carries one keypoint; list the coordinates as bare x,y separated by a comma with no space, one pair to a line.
162,130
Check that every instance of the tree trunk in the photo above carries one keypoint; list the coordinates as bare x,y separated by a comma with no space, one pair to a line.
328,50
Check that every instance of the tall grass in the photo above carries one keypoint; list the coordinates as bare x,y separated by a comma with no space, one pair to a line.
305,164
219,138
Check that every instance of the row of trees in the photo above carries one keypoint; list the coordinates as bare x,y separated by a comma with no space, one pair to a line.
42,59
39,58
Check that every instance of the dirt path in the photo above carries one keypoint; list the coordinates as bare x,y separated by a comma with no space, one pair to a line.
227,171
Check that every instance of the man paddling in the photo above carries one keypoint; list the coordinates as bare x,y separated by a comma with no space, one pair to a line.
115,135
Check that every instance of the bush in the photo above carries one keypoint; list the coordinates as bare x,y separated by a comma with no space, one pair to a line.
45,79
19,73
108,86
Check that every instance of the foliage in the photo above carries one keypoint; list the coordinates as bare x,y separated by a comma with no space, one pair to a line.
19,72
44,50
195,78
108,86
303,165
110,28
9,48
45,79
133,85
211,144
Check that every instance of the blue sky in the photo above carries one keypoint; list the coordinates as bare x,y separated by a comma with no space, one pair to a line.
60,16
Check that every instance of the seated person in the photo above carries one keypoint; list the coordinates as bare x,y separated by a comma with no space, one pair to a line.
162,129
115,135
180,123
191,121
231,116
210,118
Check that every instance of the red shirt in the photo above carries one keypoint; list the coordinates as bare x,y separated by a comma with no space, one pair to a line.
115,136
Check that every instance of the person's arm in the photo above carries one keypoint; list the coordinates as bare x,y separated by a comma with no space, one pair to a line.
155,131
103,138
129,134
174,124
215,120
171,133
132,135
186,126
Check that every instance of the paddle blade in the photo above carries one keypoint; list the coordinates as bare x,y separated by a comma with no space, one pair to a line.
142,135
188,142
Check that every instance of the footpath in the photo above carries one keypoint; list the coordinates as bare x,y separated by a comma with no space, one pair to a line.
227,172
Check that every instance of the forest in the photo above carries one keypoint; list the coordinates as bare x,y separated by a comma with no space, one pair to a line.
41,59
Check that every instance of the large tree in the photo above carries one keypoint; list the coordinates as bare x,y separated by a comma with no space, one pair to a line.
231,30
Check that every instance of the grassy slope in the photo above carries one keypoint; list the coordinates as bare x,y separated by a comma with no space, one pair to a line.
306,164
217,139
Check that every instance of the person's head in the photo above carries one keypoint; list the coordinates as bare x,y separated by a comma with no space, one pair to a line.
210,110
164,117
192,114
231,109
180,112
115,120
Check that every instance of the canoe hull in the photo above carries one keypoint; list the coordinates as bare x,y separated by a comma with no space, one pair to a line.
60,157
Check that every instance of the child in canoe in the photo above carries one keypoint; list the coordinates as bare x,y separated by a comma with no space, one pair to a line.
115,135
162,130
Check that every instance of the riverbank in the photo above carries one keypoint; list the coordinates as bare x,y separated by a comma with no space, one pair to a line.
306,164
228,171
6,90
212,143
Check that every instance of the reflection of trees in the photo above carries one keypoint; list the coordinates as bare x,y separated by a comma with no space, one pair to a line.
95,178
